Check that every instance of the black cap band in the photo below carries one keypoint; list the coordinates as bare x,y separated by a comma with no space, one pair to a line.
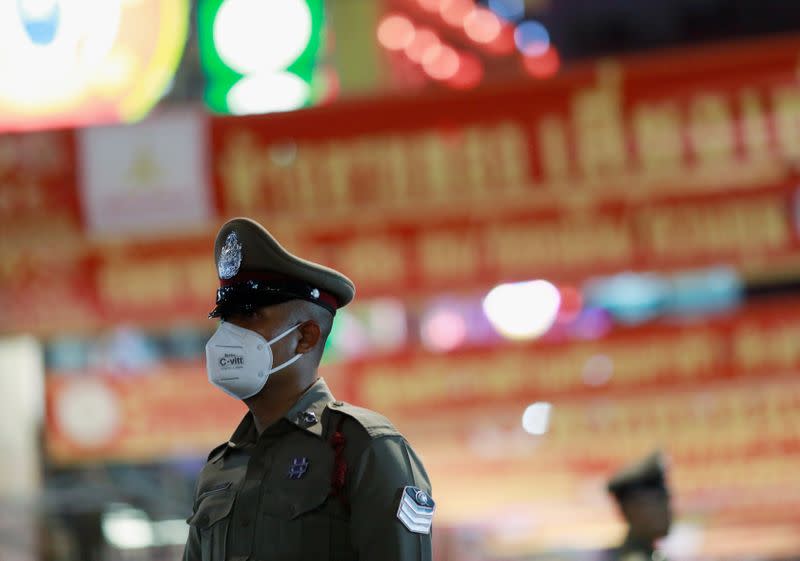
253,293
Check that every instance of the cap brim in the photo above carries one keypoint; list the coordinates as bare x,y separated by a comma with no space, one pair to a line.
262,252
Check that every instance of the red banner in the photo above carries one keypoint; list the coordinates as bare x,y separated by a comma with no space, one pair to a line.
752,230
758,344
145,282
609,167
659,162
646,375
722,398
169,411
40,211
716,121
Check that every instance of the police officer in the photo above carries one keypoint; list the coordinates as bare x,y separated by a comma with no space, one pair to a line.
303,476
641,493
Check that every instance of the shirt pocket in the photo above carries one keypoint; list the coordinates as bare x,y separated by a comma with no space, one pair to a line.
211,519
305,525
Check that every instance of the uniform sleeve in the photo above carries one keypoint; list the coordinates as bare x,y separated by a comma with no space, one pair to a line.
384,469
192,550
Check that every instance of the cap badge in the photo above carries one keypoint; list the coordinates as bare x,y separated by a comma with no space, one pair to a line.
230,258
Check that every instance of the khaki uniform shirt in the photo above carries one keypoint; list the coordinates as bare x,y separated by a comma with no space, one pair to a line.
269,497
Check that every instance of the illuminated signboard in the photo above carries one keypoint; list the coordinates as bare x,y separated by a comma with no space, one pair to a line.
78,62
259,56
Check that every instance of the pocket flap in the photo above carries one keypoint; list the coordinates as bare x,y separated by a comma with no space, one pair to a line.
212,509
309,501
289,502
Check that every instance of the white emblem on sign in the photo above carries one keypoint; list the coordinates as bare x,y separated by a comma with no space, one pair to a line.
230,258
416,510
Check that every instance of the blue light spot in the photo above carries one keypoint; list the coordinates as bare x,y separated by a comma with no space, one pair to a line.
40,25
511,10
532,38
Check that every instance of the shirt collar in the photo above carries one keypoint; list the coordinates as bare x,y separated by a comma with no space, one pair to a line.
245,433
306,414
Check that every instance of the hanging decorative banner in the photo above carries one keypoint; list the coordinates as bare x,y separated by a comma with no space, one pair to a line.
750,229
176,278
41,233
755,347
607,168
169,411
146,179
719,121
720,397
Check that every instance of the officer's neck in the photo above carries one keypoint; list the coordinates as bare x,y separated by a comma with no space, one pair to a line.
278,396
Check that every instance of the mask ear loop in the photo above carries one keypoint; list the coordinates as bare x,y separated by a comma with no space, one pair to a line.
292,360
284,334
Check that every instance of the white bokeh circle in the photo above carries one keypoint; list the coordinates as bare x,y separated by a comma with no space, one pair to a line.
261,35
267,93
88,413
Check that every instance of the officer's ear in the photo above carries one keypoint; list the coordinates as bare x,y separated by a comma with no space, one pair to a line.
310,336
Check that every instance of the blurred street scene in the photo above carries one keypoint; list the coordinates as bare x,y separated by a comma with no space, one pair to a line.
573,225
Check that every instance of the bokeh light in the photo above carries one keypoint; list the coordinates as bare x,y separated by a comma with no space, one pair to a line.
592,323
349,338
268,92
454,12
571,304
128,528
630,298
396,32
543,66
536,418
424,39
523,310
252,35
597,370
441,62
387,322
511,10
482,26
532,38
443,329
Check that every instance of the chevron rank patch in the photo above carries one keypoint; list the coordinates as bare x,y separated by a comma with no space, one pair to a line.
416,510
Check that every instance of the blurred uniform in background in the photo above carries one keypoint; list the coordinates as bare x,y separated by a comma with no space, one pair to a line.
304,476
643,499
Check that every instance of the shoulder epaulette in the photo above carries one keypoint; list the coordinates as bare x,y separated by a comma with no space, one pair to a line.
217,452
374,423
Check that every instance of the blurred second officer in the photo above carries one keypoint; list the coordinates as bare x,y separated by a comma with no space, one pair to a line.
643,499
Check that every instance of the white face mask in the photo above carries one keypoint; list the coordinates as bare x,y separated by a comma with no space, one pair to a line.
239,361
